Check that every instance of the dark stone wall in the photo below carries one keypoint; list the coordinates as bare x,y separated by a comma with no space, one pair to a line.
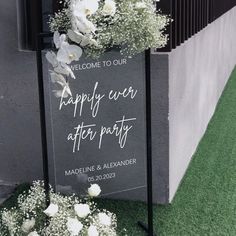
20,152
160,126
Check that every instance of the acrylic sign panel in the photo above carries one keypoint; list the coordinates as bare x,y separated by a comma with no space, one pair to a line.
99,134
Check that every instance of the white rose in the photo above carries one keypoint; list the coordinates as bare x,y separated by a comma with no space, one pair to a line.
85,7
109,8
82,210
94,190
81,39
52,210
28,225
75,36
68,53
140,5
92,231
84,25
104,219
34,233
74,226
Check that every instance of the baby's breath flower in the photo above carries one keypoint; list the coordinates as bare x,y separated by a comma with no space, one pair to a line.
133,25
72,215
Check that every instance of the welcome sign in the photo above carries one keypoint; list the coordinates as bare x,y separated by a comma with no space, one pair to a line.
99,132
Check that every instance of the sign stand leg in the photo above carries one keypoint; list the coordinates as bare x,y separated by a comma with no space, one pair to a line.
39,41
148,228
42,117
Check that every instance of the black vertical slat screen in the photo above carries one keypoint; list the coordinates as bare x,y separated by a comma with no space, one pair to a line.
166,8
193,17
179,22
210,11
174,23
198,15
183,20
190,16
219,7
187,19
202,14
190,20
205,13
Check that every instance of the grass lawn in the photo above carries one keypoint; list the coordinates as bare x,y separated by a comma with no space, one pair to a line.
206,201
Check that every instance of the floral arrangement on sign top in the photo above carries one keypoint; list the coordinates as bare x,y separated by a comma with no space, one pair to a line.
96,26
68,215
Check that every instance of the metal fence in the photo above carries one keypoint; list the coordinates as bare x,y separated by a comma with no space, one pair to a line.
190,16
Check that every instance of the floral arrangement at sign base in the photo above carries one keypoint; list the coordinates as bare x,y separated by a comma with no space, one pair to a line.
93,27
65,216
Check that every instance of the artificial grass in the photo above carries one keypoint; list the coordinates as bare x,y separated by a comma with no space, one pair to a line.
205,203
206,200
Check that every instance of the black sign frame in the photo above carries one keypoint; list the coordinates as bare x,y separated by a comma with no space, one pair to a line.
40,36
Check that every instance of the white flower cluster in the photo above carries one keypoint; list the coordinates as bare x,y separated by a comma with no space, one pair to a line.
100,25
60,62
68,215
10,219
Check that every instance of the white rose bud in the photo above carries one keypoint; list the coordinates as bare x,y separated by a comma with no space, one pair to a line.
92,231
82,210
74,226
34,233
109,8
104,219
28,225
52,210
94,190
